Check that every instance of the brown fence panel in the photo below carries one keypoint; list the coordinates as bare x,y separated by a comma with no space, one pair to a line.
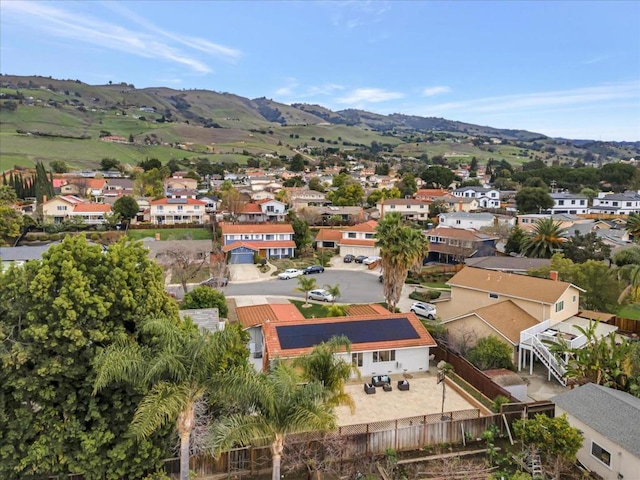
626,324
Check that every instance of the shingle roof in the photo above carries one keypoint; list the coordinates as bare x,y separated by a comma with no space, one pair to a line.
511,284
228,228
513,264
612,413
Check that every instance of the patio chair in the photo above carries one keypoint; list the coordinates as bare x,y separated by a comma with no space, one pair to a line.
387,387
403,385
369,389
380,380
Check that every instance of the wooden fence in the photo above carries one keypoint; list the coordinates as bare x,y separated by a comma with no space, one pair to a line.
472,375
626,324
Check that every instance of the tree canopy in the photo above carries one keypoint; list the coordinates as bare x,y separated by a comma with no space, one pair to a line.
533,200
126,206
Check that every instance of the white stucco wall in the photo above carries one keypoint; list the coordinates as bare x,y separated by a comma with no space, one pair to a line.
408,360
624,465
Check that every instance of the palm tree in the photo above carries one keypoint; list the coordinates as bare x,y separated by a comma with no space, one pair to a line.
401,248
633,226
274,405
334,290
177,373
631,273
322,365
306,284
544,240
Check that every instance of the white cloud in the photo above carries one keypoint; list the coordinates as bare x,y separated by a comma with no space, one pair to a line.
362,96
431,91
86,29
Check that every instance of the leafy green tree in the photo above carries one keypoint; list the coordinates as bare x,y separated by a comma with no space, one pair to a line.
631,274
619,175
174,166
438,176
175,373
334,310
205,297
633,226
270,407
333,290
127,207
316,184
305,285
322,365
628,256
377,195
590,193
301,232
149,183
59,166
407,186
401,248
107,164
580,248
533,200
11,220
297,163
491,353
55,316
536,182
437,207
544,240
556,440
348,194
150,164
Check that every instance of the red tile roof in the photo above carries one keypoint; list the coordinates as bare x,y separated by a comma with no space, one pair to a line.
228,228
92,207
369,226
257,314
273,348
252,208
365,242
187,201
329,234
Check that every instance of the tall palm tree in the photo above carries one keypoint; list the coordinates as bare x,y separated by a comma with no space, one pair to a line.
274,405
630,273
633,226
306,284
401,248
176,372
322,365
544,240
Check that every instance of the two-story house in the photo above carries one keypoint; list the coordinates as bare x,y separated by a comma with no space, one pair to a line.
454,245
473,220
573,204
616,203
242,241
409,208
487,197
175,210
527,222
66,207
301,198
267,210
359,240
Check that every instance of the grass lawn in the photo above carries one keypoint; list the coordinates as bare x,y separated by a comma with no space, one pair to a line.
172,234
314,311
631,311
436,285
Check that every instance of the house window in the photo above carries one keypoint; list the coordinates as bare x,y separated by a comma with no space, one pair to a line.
421,206
61,208
628,204
247,237
268,237
560,306
600,454
458,222
351,235
560,202
575,297
160,208
179,208
384,356
573,202
392,206
356,359
368,235
494,295
270,208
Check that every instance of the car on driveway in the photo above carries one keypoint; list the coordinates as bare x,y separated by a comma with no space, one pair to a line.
289,273
313,269
359,258
370,260
321,295
424,310
348,258
215,282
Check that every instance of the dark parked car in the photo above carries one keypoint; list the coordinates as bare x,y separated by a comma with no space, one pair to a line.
313,269
380,279
348,258
215,282
360,258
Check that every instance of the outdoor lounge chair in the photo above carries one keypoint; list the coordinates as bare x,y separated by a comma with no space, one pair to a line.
387,387
403,385
369,389
380,380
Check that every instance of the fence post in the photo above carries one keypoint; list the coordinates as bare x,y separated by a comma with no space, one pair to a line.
396,437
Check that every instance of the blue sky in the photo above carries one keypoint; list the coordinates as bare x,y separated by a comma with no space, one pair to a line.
569,69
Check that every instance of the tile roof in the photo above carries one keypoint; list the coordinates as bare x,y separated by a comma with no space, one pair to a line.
252,208
404,201
186,201
369,226
256,246
273,348
365,242
510,284
460,233
431,193
91,207
253,315
329,234
228,228
371,309
609,412
506,318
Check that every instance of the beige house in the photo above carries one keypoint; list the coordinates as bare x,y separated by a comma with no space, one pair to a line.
409,208
359,240
180,183
170,211
65,207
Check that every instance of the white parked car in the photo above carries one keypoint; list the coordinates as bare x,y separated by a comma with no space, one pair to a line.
424,310
289,273
321,295
370,260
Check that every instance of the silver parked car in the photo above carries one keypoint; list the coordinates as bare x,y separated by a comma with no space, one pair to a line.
320,295
424,310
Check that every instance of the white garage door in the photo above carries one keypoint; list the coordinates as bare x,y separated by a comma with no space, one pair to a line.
355,250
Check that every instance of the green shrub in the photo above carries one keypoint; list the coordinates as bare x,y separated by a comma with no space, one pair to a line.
54,237
490,353
94,237
31,237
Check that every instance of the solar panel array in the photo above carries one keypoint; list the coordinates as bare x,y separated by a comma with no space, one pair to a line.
363,331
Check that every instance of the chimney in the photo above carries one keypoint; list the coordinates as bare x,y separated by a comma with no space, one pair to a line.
553,275
460,205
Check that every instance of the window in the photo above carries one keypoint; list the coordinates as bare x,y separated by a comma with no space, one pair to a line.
270,208
384,356
600,454
573,202
421,206
393,206
560,202
494,295
61,208
356,359
268,237
179,208
160,208
560,306
351,235
368,235
458,222
575,297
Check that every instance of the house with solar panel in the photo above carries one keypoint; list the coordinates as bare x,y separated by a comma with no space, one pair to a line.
610,422
268,240
382,343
